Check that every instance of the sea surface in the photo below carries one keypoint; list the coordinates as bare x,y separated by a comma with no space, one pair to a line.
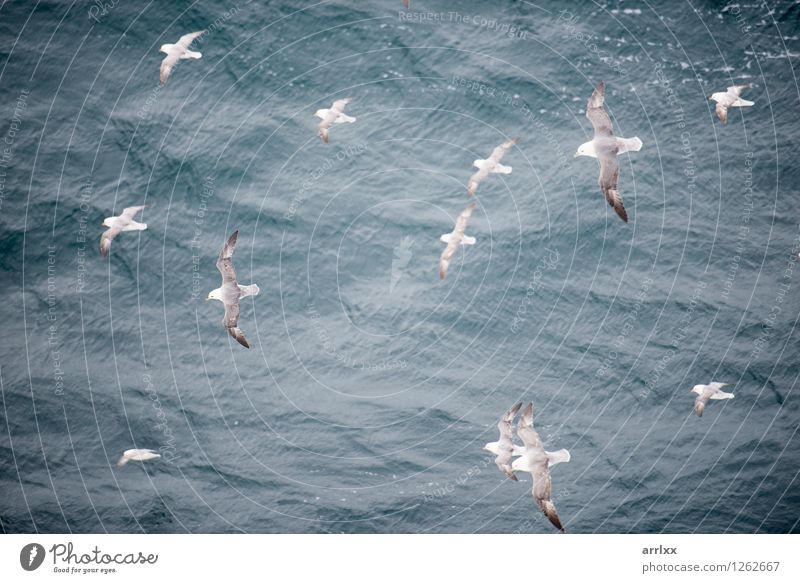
371,386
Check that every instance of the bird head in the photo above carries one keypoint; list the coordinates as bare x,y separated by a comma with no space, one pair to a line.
582,151
214,295
107,222
165,48
697,389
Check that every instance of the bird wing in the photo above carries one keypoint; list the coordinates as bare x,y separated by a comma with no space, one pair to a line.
476,179
504,425
187,39
499,151
461,221
107,237
130,212
722,112
506,442
737,89
526,432
225,261
542,494
339,105
231,321
596,114
609,177
167,64
700,401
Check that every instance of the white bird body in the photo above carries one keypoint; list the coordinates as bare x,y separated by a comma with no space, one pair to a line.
137,455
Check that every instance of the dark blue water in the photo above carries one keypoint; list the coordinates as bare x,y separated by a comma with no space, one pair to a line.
371,387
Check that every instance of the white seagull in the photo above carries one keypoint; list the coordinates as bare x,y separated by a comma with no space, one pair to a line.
537,461
231,292
117,225
605,146
490,165
504,448
180,50
455,239
137,455
708,392
333,115
729,98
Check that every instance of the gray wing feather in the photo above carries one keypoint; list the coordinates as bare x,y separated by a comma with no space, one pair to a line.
187,39
609,177
225,261
596,114
499,151
506,442
130,212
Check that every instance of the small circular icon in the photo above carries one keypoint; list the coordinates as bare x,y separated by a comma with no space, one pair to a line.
31,556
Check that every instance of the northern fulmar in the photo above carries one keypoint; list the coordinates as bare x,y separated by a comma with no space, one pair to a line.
490,165
117,225
231,292
605,146
729,98
708,392
538,462
180,50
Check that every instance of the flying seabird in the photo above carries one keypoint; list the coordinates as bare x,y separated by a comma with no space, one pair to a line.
504,448
729,98
490,165
705,392
117,225
231,292
455,239
333,115
537,461
137,455
180,50
606,147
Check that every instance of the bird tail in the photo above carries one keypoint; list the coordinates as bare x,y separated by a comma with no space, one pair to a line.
345,119
500,169
558,457
742,103
467,240
249,290
192,55
629,145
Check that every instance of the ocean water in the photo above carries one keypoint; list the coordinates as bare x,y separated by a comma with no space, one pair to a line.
371,386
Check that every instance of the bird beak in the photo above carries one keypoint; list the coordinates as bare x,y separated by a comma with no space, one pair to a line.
576,155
